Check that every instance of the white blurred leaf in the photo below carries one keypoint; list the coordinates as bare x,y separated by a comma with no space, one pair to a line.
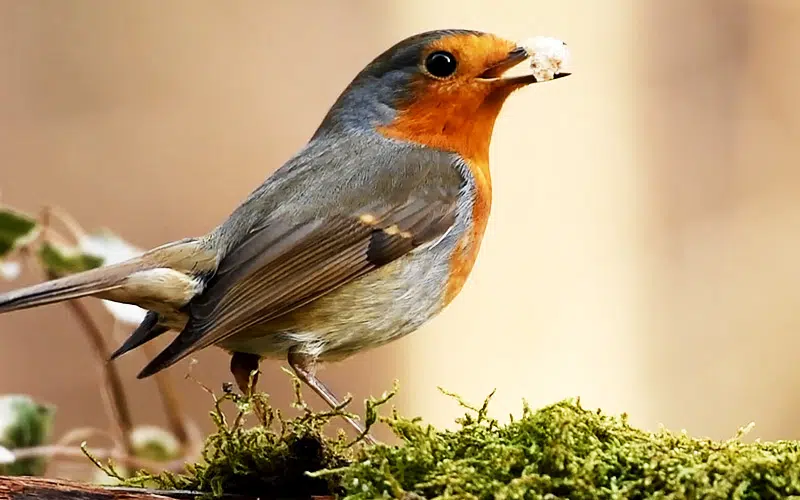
6,456
10,408
23,423
113,250
9,270
20,411
108,246
155,443
125,313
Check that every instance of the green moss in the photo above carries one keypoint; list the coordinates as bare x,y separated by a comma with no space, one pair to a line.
566,451
560,451
273,457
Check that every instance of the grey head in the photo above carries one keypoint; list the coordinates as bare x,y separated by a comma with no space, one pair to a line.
373,97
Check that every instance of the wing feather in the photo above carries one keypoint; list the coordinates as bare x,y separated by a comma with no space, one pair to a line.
278,269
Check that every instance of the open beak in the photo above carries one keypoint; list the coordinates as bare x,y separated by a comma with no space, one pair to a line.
498,71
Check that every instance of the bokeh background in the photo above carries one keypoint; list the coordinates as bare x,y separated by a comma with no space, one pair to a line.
643,247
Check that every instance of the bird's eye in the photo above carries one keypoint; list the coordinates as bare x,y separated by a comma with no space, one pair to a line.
441,64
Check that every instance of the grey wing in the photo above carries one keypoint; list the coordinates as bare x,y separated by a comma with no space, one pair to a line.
281,267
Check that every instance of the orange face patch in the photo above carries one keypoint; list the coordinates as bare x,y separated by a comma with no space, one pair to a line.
458,114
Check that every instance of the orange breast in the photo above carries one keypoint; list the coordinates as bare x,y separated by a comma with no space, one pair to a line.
463,258
473,147
457,117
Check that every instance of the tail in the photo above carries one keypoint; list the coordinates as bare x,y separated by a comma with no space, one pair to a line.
183,256
94,281
147,330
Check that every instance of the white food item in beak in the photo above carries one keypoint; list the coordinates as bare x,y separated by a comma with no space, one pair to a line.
548,57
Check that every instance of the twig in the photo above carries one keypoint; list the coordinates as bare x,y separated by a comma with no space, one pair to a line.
113,382
172,408
72,452
82,434
66,220
169,399
115,397
31,488
114,390
47,231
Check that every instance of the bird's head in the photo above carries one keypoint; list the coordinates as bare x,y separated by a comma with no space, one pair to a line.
442,89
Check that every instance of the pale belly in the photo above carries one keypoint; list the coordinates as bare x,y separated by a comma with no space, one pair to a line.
371,311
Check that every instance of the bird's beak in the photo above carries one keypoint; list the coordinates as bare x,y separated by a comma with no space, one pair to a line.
499,72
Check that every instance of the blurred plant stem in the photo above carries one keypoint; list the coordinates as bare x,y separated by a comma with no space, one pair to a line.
115,397
116,400
112,382
171,403
76,453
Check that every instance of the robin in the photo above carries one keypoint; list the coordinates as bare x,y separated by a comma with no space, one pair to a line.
365,234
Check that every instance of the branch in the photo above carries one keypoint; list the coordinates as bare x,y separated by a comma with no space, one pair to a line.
31,488
75,453
172,408
112,381
114,389
115,397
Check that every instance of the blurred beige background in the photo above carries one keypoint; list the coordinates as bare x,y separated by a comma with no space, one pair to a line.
643,248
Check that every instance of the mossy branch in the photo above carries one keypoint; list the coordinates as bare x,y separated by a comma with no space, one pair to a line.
560,451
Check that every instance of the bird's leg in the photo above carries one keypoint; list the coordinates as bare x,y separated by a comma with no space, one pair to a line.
303,366
242,367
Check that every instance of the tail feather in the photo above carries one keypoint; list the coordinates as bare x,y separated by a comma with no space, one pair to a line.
179,266
147,330
171,354
83,284
185,255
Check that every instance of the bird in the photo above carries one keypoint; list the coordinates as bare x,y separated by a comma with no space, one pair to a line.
362,236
